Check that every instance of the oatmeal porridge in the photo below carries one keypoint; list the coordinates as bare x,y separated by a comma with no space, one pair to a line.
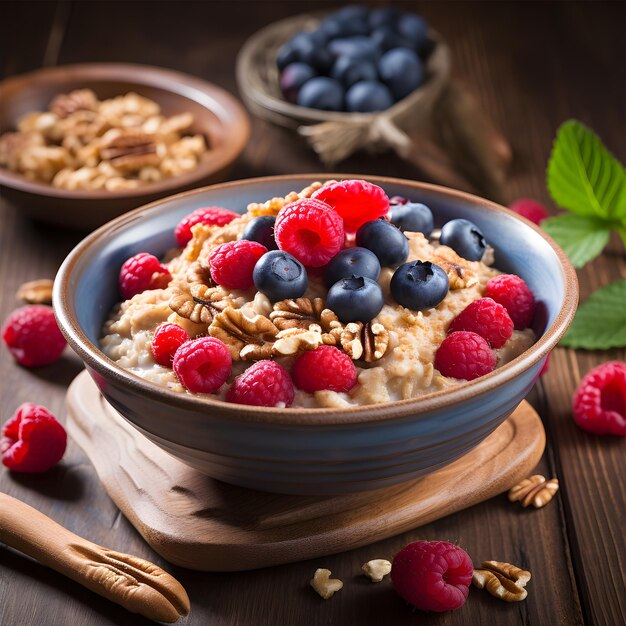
330,297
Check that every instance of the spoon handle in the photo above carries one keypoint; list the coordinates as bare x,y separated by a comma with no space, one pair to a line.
137,585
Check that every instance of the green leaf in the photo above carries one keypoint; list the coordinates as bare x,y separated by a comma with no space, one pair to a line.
600,322
582,238
583,176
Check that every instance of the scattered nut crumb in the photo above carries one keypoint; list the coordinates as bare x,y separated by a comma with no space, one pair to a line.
324,585
376,569
36,291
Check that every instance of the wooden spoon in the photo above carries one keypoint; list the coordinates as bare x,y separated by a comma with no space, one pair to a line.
138,585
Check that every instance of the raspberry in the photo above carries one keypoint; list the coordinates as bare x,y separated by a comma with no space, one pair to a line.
465,355
310,230
514,295
324,368
202,365
530,209
166,340
432,575
32,440
32,336
486,318
600,400
140,272
357,201
266,383
232,263
210,215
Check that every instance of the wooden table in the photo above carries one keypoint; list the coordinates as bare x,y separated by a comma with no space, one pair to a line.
532,65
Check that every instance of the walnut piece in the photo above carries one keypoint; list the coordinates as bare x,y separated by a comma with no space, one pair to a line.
460,273
376,569
129,151
367,341
274,205
36,291
302,312
247,338
502,580
535,490
324,585
65,104
201,304
292,341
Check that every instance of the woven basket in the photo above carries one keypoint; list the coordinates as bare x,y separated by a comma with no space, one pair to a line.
438,127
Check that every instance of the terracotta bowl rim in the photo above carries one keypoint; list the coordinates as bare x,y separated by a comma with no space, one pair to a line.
233,117
98,361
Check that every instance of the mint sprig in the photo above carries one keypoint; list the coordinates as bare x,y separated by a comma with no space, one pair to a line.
600,322
584,178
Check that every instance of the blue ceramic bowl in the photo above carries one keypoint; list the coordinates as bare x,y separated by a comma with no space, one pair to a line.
312,451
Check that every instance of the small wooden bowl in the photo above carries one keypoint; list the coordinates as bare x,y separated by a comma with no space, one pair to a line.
217,115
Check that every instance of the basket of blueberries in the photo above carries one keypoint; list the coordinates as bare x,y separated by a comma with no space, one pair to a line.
356,78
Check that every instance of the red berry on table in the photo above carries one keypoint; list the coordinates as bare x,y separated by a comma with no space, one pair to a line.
600,400
432,575
210,216
166,340
232,263
357,201
32,336
310,230
141,272
32,440
325,368
465,355
530,209
514,295
486,318
265,383
202,365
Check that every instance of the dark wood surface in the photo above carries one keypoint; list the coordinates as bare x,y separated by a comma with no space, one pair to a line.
531,65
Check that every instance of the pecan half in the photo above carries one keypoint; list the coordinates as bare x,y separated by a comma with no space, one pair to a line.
65,104
535,490
247,338
302,312
502,580
130,150
36,291
367,341
292,341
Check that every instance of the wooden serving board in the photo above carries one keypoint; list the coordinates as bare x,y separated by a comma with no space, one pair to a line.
197,522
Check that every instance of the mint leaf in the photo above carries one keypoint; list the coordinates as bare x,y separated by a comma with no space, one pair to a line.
583,176
582,238
600,322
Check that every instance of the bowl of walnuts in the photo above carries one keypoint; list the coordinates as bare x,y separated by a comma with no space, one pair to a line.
82,144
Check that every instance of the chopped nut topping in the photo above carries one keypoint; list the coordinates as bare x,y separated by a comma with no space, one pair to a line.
502,580
460,273
303,312
247,338
78,100
324,585
36,291
199,274
367,341
376,569
292,341
273,206
535,490
201,303
129,150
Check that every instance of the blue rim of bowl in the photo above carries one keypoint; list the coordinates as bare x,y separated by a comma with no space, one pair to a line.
98,361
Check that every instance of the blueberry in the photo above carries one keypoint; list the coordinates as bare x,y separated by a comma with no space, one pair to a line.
360,48
385,241
401,70
355,299
414,28
352,262
353,12
384,16
286,55
335,26
386,38
323,93
414,217
465,238
280,276
368,96
349,71
293,77
306,47
261,229
419,285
